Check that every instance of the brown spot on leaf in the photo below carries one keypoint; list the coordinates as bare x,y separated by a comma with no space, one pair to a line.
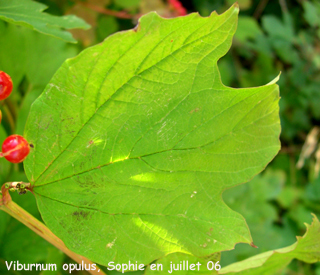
195,110
90,143
80,214
88,182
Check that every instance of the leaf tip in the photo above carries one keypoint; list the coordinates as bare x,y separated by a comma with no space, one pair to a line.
137,27
314,218
152,14
253,245
274,81
236,6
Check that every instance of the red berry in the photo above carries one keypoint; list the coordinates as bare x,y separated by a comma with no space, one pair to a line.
5,85
177,6
15,148
182,11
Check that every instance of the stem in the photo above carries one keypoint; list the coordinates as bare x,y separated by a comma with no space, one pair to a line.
283,6
261,6
11,107
10,207
9,117
118,14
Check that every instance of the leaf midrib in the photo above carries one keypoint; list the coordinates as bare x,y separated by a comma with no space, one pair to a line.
168,150
179,149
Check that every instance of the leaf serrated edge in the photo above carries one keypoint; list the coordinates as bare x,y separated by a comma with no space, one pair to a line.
267,255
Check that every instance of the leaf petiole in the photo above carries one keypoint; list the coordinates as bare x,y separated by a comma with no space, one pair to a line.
14,210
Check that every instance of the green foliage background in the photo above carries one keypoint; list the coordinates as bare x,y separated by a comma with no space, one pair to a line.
272,36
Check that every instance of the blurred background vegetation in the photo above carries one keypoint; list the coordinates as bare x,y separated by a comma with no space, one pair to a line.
273,36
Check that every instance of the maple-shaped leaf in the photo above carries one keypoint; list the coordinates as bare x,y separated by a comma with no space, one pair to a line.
136,139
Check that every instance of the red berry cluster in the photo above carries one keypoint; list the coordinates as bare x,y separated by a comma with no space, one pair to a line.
177,6
14,148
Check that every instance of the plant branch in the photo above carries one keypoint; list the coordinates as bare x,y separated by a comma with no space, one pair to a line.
10,117
10,207
283,6
118,14
261,6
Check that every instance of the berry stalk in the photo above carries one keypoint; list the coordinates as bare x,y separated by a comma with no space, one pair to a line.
14,210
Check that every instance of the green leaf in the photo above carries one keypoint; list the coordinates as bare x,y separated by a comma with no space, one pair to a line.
136,138
282,36
311,13
313,190
12,58
248,29
307,249
39,60
30,14
278,28
45,54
